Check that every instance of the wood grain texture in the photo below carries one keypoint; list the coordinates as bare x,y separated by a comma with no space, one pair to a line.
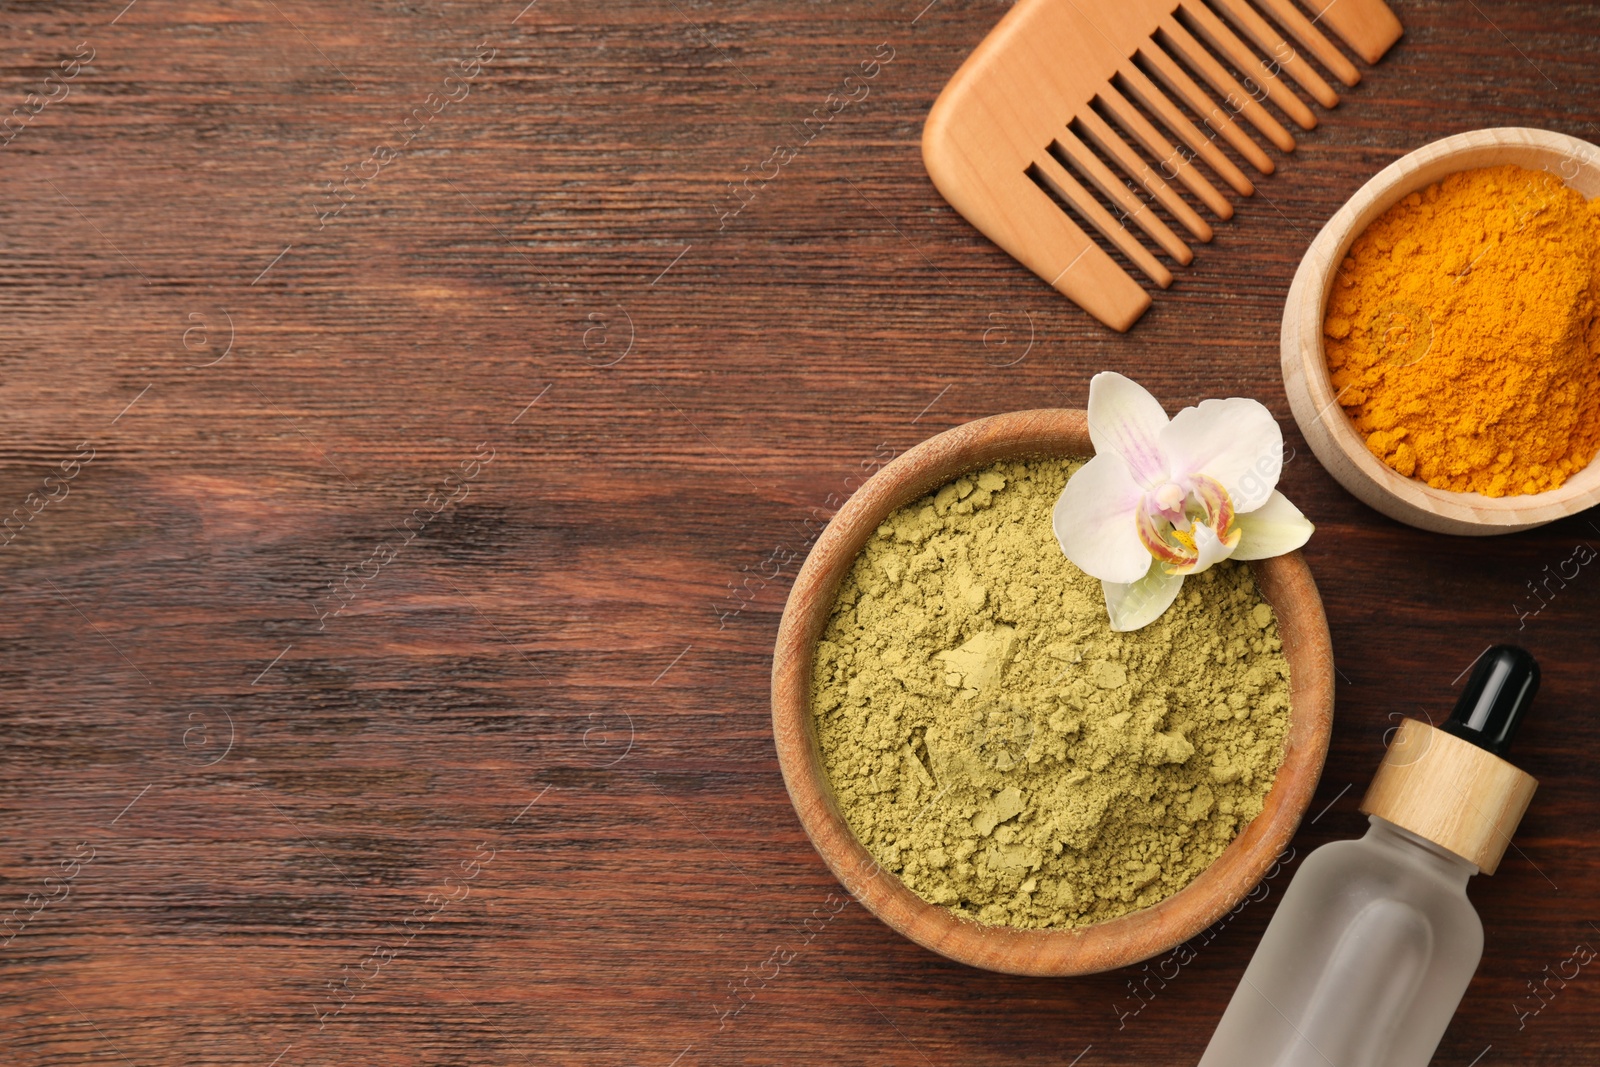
1284,581
1328,430
589,630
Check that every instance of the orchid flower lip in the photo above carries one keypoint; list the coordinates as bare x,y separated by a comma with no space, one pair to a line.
1172,520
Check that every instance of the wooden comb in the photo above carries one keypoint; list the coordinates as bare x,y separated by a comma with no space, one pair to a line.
1050,99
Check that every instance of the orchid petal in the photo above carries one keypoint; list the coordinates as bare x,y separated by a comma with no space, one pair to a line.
1125,420
1133,605
1272,529
1235,441
1094,520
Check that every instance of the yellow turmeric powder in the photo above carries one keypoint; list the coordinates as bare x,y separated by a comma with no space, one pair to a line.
1461,333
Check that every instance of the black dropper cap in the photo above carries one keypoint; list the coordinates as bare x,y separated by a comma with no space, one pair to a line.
1501,688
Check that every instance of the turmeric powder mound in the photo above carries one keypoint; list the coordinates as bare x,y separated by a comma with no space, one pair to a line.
1461,333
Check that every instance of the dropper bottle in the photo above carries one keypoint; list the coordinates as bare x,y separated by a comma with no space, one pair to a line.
1370,952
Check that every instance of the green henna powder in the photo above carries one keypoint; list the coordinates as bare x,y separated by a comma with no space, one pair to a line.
997,746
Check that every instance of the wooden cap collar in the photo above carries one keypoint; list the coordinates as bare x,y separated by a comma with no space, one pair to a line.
1451,792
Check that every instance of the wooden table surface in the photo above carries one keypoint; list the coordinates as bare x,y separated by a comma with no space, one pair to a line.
386,654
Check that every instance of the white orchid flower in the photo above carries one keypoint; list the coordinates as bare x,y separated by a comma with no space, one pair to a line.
1162,499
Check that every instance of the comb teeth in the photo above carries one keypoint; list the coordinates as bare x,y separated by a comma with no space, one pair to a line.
1077,126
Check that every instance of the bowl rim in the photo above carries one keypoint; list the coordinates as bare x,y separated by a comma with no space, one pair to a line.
1308,382
1285,582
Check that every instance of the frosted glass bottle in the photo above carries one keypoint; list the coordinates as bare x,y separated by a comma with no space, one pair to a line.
1364,963
1375,942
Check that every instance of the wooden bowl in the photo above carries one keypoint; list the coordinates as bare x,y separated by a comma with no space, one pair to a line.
1285,582
1331,434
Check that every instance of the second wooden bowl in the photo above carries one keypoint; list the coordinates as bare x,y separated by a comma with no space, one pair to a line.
1329,431
1285,582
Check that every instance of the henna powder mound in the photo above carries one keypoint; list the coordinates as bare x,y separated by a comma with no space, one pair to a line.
997,746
